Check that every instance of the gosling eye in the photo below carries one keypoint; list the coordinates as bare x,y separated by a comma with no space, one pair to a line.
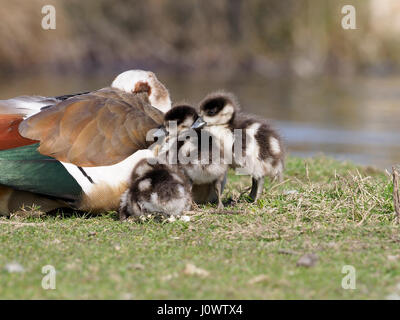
211,112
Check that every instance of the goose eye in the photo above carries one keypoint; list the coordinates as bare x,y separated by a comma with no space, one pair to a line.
211,112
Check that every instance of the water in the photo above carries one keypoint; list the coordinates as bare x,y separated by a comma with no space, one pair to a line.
354,119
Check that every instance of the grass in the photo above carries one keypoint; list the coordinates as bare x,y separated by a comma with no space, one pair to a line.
340,212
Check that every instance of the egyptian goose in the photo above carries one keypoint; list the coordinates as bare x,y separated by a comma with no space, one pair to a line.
79,149
262,152
155,189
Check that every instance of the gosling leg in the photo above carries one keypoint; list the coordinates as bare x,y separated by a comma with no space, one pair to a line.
256,188
218,188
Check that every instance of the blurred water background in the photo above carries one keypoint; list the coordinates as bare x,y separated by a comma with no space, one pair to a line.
327,89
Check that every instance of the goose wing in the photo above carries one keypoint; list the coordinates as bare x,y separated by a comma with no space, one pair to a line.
96,129
13,111
26,105
25,169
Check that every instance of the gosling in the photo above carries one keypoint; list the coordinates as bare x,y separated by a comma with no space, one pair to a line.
183,146
155,189
260,152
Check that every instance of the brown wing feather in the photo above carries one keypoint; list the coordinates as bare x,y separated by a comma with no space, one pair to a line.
96,129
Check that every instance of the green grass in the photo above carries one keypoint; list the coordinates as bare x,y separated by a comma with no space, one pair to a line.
340,212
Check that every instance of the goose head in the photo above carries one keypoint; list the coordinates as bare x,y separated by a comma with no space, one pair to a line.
134,81
219,108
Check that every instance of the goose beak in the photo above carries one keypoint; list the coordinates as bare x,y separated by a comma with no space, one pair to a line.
199,123
160,132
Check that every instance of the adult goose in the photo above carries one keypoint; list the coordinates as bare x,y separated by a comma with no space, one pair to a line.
78,150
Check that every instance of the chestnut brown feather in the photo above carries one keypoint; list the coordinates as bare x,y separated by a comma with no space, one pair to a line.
108,120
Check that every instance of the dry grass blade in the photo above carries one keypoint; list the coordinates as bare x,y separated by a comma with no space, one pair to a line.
396,197
275,186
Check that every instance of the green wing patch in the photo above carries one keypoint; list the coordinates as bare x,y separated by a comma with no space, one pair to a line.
24,168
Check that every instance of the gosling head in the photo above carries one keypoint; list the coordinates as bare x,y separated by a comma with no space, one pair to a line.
134,81
219,108
184,117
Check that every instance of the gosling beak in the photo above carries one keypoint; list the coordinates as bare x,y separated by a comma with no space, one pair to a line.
160,132
199,123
